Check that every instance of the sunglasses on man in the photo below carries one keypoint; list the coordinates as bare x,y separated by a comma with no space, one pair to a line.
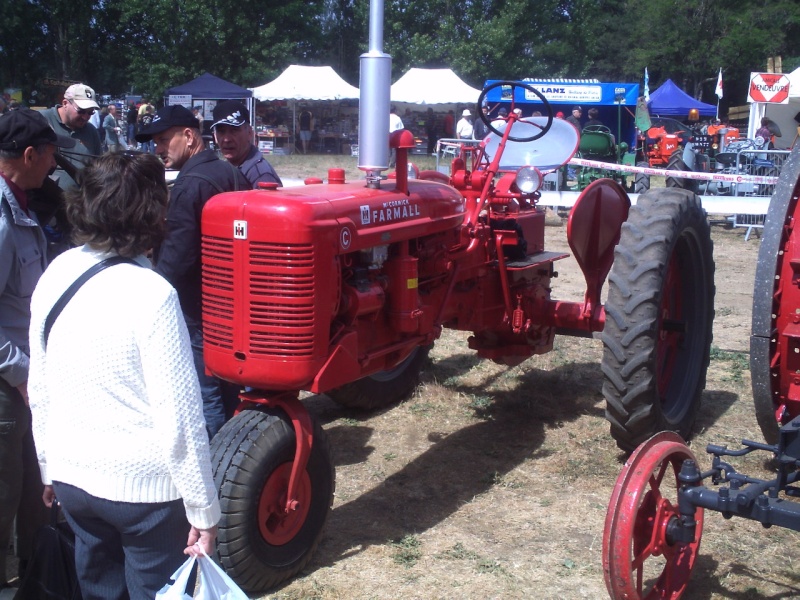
82,111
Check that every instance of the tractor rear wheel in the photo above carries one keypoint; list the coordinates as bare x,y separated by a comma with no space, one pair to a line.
384,388
258,542
773,344
676,163
641,181
657,334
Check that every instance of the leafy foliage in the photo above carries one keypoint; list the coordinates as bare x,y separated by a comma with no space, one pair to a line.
146,46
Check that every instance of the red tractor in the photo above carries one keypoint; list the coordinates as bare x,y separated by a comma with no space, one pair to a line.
341,288
654,521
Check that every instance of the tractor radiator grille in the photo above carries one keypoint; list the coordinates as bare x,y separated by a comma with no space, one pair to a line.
218,292
281,299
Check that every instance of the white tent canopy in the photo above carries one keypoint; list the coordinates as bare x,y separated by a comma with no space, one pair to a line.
782,114
306,83
433,86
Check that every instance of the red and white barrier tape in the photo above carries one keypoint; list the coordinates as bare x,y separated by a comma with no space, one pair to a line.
732,178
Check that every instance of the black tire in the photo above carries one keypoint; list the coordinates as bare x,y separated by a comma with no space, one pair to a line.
251,456
657,334
385,388
676,163
641,181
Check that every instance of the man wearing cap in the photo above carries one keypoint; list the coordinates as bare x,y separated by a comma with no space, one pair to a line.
464,126
179,144
575,118
27,145
234,137
71,119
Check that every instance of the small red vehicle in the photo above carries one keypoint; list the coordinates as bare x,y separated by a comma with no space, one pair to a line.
342,287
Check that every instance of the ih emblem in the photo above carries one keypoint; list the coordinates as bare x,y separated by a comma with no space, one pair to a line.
240,230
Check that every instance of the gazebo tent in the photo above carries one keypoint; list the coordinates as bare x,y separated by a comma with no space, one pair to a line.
671,101
210,87
433,86
306,83
299,82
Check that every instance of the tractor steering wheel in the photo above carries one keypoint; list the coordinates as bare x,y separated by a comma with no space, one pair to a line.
548,110
598,129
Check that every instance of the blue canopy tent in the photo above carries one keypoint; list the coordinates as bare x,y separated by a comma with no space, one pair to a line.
615,102
206,91
671,101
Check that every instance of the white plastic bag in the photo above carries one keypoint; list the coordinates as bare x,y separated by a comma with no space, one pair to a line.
215,583
177,589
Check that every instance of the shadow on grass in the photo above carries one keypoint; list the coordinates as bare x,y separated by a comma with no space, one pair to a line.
457,467
706,584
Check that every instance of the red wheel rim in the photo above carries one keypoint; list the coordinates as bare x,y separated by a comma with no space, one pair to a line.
638,560
670,327
277,526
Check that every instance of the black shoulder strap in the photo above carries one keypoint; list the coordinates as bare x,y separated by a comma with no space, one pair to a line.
207,179
70,291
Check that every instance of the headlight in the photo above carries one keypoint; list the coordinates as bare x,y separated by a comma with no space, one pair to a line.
528,180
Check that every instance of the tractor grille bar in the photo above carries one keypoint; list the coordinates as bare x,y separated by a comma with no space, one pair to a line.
281,290
279,297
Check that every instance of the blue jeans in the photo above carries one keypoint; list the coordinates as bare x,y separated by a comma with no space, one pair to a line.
217,394
123,549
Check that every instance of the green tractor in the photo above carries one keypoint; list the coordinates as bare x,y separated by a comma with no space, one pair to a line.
598,143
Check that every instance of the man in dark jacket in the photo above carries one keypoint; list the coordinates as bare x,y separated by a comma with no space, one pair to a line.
178,142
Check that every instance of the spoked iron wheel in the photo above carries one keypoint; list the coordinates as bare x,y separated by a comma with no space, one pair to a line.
640,561
775,298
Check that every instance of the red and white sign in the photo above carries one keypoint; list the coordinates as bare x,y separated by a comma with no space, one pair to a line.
768,87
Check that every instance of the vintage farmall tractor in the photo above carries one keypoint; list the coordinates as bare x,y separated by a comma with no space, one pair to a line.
341,288
655,517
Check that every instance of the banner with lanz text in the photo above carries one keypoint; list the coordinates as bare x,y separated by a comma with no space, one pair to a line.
568,92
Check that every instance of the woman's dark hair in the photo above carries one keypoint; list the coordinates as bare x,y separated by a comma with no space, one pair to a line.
120,204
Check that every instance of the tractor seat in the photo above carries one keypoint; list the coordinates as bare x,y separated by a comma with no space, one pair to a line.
727,159
596,145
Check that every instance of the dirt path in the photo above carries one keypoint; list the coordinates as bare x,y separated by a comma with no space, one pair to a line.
494,482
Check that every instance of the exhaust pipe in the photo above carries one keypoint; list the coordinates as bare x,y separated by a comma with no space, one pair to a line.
374,101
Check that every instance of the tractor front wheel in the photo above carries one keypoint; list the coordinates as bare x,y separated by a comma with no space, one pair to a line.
676,163
259,542
641,181
384,388
657,334
641,561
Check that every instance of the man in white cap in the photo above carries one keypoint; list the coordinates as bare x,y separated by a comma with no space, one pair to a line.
464,125
71,119
234,137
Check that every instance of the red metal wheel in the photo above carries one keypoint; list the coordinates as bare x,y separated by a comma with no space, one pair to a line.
277,525
639,562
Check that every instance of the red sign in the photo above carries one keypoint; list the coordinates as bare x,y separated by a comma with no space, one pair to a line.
768,87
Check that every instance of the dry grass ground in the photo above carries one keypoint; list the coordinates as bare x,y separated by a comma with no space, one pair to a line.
493,482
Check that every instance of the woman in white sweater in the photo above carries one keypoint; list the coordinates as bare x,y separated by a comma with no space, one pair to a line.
117,413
